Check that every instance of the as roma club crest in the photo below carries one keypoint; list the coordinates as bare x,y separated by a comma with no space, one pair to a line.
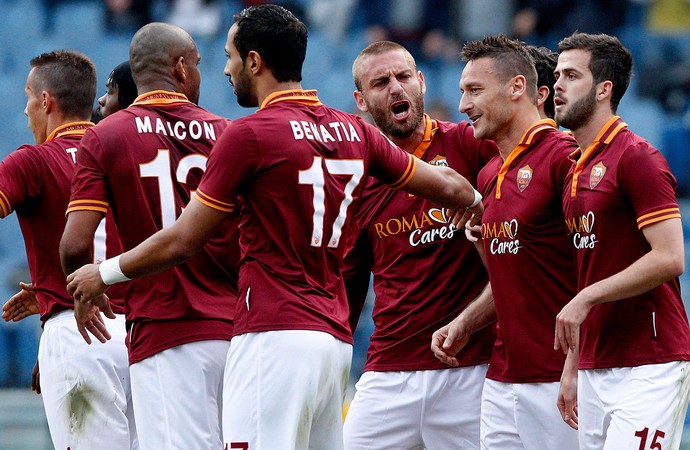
598,172
524,177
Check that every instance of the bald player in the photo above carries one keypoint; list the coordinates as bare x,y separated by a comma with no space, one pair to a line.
144,162
86,394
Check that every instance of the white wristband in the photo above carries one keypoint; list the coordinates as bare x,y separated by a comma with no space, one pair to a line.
110,271
477,199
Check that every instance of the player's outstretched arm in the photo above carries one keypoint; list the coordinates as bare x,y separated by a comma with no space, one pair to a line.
21,305
164,249
449,340
449,189
665,261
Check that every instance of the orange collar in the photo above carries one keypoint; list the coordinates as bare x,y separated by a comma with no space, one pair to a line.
609,131
430,129
526,142
72,128
296,95
160,97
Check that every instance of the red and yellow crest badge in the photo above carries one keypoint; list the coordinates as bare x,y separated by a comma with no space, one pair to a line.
597,174
524,177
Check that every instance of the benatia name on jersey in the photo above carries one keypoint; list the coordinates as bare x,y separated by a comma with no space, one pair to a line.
331,132
179,129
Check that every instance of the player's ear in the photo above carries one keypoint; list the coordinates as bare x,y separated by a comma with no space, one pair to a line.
604,89
542,95
47,101
359,100
518,85
254,62
180,70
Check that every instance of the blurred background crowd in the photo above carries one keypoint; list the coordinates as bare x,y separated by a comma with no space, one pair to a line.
657,105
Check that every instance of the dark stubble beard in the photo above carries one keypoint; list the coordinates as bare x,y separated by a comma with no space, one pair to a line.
580,112
242,84
390,127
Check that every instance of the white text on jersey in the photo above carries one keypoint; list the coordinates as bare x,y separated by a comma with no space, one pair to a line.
179,130
339,131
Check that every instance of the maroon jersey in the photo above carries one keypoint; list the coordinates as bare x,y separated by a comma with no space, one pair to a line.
35,181
144,162
530,261
297,167
425,270
620,185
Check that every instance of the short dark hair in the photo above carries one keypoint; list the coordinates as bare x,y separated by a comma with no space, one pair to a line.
510,56
70,77
545,61
121,76
609,60
277,35
373,49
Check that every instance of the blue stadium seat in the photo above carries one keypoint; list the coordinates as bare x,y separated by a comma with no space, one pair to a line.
20,29
675,140
75,24
5,355
645,116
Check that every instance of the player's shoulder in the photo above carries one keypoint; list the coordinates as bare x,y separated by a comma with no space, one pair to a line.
562,141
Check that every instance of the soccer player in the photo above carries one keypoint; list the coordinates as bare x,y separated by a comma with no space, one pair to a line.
120,91
528,257
86,395
406,398
144,162
293,171
627,320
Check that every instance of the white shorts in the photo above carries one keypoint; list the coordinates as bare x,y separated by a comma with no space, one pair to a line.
432,409
524,416
177,396
86,388
285,390
639,407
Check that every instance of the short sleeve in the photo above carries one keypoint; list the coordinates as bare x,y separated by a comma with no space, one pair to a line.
21,178
649,185
231,165
389,164
89,189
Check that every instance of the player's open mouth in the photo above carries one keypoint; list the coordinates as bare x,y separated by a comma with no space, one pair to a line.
474,118
401,109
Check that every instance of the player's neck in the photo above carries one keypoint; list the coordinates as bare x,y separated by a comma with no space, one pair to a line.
511,133
268,86
56,120
586,134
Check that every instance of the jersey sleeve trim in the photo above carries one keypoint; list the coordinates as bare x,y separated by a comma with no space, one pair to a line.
213,203
87,205
658,216
407,175
5,205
